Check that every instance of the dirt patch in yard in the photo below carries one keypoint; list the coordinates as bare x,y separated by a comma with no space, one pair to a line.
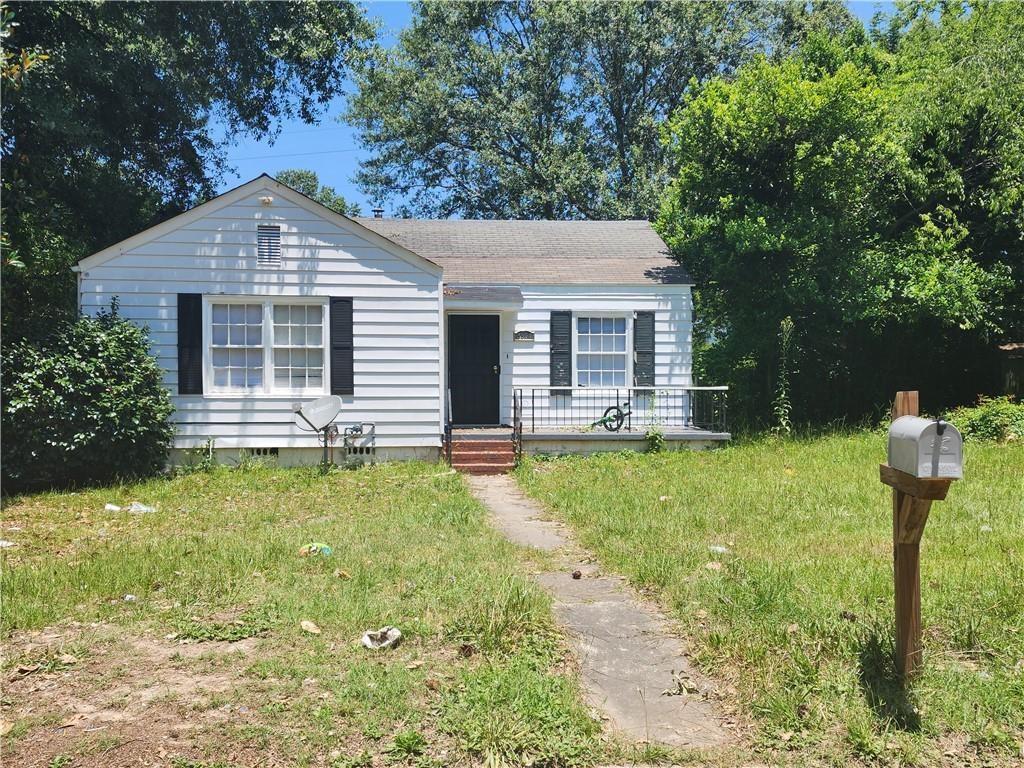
103,698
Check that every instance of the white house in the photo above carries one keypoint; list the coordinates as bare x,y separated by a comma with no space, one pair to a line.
262,297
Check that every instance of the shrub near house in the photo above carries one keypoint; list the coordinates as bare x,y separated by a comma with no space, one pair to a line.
84,405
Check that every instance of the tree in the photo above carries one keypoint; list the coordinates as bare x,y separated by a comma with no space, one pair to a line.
113,133
822,188
308,183
549,110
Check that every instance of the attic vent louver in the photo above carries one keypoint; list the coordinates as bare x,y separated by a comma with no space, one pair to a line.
268,251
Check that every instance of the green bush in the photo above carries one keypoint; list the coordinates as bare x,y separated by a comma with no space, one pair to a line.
84,405
993,418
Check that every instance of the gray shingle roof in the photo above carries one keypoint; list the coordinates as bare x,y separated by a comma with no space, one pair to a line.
537,252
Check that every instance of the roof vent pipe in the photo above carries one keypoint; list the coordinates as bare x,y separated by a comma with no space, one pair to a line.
378,213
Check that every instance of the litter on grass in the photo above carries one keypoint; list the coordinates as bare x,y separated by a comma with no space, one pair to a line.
309,627
316,548
718,549
129,598
4,543
385,637
136,508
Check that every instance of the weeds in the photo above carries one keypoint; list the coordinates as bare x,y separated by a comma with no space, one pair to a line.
798,616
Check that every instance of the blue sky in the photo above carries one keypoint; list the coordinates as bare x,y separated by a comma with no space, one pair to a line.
331,148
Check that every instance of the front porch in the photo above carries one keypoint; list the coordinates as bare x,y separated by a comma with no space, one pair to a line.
582,420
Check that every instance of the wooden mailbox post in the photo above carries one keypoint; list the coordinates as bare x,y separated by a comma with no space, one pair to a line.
912,498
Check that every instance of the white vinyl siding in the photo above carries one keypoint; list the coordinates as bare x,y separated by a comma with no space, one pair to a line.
396,318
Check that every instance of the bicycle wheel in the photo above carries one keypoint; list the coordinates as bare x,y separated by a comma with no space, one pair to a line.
613,418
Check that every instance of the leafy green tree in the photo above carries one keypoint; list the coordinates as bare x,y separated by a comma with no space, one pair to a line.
114,132
822,187
308,183
550,110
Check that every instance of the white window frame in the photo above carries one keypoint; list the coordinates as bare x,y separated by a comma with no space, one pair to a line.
603,313
268,388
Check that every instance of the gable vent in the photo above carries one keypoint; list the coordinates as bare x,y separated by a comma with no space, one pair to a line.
268,251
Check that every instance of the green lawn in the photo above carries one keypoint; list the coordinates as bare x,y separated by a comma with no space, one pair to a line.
481,672
795,619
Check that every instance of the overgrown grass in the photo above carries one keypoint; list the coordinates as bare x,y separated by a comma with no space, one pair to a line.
796,615
219,560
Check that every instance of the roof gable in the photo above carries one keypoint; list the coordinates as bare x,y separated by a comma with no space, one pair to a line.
240,193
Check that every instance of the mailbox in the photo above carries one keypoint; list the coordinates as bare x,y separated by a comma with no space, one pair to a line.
926,448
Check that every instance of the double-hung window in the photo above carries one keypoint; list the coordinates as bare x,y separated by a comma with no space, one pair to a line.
602,356
266,347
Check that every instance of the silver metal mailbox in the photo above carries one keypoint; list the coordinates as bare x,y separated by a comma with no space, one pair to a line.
926,448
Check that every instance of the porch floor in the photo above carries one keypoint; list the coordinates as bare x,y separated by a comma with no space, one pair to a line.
585,433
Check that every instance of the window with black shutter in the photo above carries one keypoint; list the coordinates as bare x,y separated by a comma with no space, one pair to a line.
561,351
342,374
268,249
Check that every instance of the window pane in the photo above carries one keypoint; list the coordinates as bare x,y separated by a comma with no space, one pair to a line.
281,378
220,334
253,335
620,343
254,378
298,336
620,325
254,314
583,379
607,324
314,314
237,313
316,377
220,357
280,314
315,336
220,377
314,358
620,379
298,315
583,324
220,313
282,357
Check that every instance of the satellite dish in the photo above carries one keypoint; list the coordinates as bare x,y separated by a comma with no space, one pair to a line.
319,413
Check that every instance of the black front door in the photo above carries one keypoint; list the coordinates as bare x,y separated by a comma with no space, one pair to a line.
473,368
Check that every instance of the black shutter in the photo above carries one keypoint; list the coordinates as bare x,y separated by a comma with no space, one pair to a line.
190,344
643,349
342,376
561,350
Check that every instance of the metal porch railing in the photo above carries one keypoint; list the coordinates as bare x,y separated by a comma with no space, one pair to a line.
541,409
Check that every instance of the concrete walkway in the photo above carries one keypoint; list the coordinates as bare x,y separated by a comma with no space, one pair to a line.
628,653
